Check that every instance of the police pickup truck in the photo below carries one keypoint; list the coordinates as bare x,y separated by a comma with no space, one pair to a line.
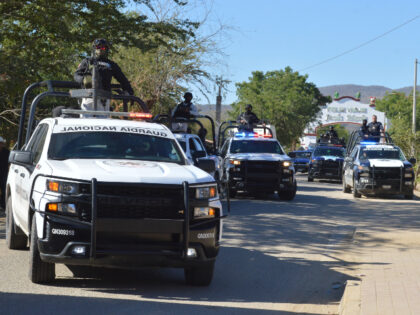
256,163
326,162
373,168
195,150
109,192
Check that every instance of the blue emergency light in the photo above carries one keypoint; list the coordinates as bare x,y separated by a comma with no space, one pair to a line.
367,142
251,135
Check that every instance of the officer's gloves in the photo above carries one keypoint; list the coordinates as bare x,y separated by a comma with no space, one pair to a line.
87,81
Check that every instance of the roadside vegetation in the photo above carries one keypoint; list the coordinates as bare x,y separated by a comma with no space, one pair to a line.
398,107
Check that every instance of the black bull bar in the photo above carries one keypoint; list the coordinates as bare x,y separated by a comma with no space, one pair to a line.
184,225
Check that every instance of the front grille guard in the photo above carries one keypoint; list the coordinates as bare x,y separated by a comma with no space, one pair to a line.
373,179
94,215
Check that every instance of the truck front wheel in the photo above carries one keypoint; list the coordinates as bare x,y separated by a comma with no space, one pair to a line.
39,271
13,240
199,275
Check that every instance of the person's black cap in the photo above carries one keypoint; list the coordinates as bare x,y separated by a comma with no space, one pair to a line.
248,106
188,94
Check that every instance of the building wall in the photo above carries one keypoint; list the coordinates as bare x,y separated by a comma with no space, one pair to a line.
342,110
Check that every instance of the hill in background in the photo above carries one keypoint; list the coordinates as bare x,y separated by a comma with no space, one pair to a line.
366,92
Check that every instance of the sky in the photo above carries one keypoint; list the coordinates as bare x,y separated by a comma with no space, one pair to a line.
268,35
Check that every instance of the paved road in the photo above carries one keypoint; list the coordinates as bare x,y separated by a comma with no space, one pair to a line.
276,256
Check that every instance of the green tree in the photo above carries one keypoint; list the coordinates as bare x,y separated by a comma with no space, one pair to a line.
398,107
45,39
284,98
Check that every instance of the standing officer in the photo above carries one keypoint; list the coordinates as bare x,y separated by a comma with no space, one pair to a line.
185,109
248,119
107,69
375,128
364,130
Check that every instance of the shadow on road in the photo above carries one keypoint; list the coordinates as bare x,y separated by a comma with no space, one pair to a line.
24,303
241,276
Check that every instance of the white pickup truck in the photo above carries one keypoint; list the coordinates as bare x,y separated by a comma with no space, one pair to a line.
111,193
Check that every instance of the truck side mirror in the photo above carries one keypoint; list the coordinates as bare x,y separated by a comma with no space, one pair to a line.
198,154
412,161
21,157
206,165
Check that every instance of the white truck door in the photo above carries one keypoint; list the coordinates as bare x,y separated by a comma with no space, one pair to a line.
27,173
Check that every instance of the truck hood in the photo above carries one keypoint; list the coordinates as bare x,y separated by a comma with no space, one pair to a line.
385,163
128,171
260,157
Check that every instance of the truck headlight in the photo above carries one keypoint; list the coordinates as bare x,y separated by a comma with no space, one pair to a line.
63,208
206,192
287,163
204,212
235,162
62,186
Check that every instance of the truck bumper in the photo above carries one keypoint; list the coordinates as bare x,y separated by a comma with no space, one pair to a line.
128,243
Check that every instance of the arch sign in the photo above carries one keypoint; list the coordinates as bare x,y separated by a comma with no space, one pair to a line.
345,110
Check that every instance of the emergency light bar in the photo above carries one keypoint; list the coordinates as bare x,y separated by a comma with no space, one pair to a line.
251,135
107,113
368,142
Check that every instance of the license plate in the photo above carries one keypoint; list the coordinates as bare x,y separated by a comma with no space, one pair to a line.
386,186
328,174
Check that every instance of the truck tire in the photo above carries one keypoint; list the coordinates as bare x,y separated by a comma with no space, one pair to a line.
288,195
346,188
39,271
232,193
410,196
13,240
310,178
199,275
356,193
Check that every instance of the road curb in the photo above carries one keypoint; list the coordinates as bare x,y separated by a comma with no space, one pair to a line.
351,300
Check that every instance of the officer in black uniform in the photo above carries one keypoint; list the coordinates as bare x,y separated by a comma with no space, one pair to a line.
107,69
331,133
248,119
375,128
364,130
185,109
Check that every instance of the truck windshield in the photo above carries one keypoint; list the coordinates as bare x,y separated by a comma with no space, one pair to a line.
381,153
250,146
329,152
183,145
303,155
113,145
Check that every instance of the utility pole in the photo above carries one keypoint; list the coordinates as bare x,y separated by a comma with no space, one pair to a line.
221,84
414,97
218,102
413,148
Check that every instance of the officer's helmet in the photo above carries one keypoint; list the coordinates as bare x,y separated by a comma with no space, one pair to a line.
101,47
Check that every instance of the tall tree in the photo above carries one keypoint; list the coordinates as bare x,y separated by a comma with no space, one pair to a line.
283,97
398,108
44,39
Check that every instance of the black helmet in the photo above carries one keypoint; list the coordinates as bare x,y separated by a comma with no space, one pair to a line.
188,94
100,47
364,121
100,42
331,127
248,107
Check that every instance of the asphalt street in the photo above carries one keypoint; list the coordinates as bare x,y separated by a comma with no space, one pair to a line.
277,257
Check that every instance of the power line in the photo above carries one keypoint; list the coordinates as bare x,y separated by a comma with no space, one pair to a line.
362,44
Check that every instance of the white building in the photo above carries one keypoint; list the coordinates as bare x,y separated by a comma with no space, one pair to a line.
345,110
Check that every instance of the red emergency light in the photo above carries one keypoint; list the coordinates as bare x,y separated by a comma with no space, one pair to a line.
141,115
